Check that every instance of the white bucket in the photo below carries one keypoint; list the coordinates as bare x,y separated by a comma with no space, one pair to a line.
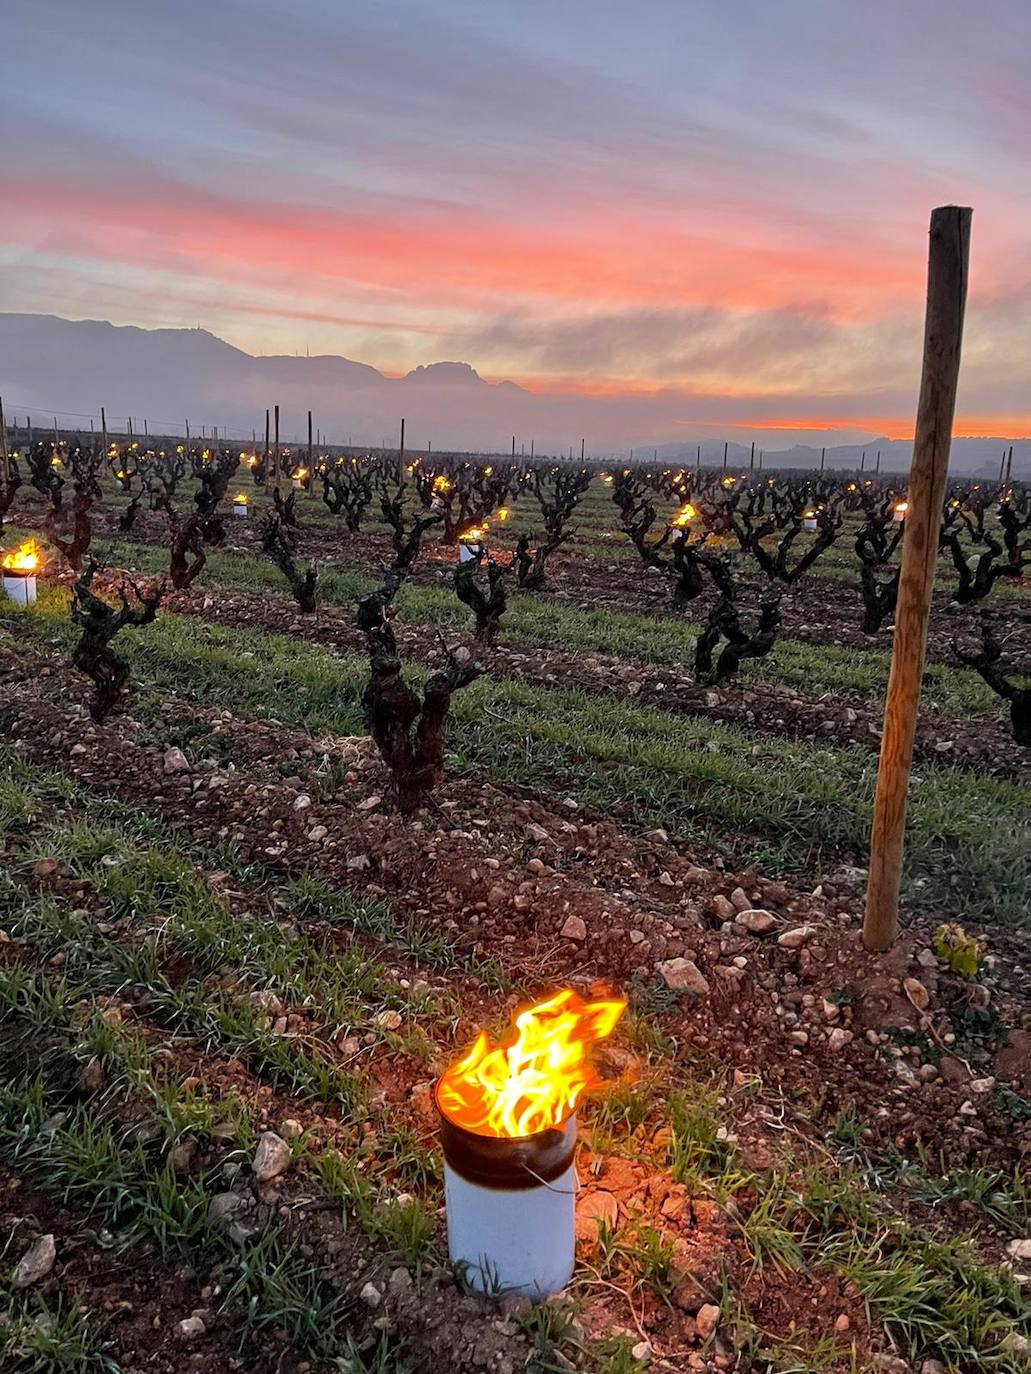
467,552
809,524
518,1242
240,510
511,1208
20,589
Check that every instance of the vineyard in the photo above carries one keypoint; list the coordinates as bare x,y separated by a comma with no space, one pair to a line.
316,763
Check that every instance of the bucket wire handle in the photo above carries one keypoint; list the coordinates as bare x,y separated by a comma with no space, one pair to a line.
565,1192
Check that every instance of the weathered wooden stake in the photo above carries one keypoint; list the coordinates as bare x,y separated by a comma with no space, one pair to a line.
943,337
1009,463
726,446
751,460
103,428
401,451
275,456
3,442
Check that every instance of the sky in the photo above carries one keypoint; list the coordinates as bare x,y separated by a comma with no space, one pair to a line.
723,205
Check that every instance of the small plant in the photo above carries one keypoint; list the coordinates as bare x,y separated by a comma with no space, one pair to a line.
1012,684
487,603
962,952
100,622
724,623
279,541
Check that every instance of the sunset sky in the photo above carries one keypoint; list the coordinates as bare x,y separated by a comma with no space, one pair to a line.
725,201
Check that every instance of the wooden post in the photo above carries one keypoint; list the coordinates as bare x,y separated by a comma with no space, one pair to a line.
1009,464
3,443
582,443
531,450
275,455
267,420
401,451
877,469
726,446
943,338
103,429
309,445
823,458
751,460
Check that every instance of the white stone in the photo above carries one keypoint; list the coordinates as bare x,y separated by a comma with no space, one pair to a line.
574,928
683,975
271,1158
36,1263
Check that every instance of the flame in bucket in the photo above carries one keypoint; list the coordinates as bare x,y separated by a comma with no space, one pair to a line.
475,535
534,1077
24,560
684,516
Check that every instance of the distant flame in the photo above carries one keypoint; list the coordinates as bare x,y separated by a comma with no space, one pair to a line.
441,483
473,536
240,499
902,507
533,1078
24,560
503,514
684,515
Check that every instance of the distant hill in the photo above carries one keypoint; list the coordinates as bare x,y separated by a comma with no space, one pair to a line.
51,365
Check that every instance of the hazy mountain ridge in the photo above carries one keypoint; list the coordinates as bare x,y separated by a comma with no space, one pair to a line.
49,364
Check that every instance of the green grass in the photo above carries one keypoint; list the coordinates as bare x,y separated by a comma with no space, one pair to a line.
967,848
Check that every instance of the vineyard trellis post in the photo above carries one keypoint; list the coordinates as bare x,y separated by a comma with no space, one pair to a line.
948,260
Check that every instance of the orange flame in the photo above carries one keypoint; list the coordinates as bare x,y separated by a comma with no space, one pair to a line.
684,516
25,559
240,499
533,1078
902,507
474,535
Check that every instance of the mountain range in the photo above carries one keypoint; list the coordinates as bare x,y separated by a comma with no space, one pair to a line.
51,366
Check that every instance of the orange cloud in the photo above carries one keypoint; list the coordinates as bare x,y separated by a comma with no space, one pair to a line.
449,255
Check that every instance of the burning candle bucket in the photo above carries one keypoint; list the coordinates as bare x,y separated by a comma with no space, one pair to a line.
19,568
901,511
809,522
241,509
510,1207
508,1133
468,551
